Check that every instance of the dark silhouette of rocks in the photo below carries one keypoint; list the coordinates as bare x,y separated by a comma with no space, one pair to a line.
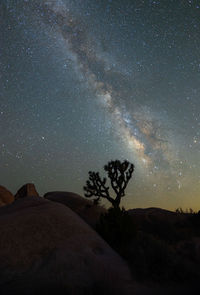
157,216
6,197
45,248
83,207
27,190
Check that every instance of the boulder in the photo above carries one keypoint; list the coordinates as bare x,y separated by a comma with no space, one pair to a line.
83,207
45,248
156,215
6,197
27,190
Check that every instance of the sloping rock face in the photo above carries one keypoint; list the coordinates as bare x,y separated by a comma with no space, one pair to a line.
6,197
83,207
27,190
45,248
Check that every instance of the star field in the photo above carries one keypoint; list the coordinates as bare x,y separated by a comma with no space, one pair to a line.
85,82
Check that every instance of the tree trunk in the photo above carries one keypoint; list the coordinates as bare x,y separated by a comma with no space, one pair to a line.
116,203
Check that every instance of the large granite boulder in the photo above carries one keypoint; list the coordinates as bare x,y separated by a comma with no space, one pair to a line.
45,248
6,197
27,190
83,207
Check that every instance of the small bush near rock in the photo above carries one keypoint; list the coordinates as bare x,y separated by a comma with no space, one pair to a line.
116,227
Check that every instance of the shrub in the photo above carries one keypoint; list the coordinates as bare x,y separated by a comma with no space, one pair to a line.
116,227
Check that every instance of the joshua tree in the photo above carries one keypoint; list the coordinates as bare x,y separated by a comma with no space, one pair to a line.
119,174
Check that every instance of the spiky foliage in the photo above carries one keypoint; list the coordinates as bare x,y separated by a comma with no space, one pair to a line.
119,173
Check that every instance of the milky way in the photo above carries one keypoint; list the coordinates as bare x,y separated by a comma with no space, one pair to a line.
138,133
84,82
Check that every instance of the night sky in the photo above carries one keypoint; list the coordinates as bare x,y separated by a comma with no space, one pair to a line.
84,82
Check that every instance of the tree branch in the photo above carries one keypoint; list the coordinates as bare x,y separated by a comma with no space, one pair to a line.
95,186
119,174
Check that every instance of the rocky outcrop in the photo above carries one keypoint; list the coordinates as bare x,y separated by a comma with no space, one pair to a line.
156,215
27,190
6,197
45,248
83,207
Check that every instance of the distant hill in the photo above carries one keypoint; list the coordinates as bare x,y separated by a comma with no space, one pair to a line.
151,210
148,215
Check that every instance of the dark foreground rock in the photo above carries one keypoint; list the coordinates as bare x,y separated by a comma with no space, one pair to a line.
45,248
6,197
83,207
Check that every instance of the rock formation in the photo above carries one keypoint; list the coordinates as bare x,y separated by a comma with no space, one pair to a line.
6,197
158,215
27,190
83,207
45,248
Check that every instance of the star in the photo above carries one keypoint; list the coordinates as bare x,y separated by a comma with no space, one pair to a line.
86,82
